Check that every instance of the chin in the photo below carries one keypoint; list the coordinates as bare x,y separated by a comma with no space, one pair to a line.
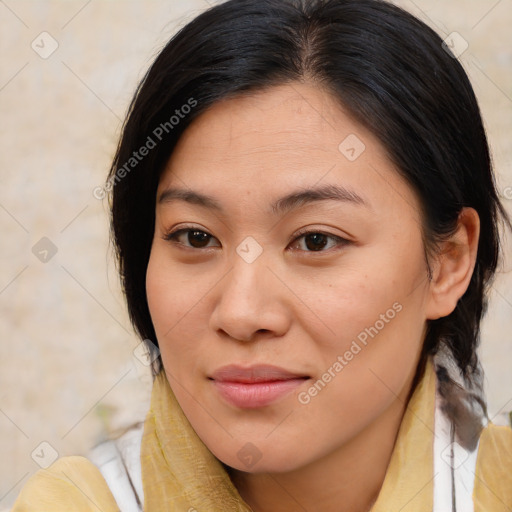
264,457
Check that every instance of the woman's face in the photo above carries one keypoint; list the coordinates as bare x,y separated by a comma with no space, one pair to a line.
280,347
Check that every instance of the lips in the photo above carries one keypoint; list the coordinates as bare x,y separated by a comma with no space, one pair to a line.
255,386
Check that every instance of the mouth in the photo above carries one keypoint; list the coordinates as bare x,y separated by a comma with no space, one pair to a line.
255,386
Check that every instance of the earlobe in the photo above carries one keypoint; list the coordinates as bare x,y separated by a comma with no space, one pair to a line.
454,266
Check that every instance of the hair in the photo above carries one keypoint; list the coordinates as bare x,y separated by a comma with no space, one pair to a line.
384,66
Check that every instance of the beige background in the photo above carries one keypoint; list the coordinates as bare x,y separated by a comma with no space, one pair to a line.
68,375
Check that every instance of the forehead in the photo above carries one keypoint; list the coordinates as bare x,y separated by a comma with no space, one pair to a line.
265,143
289,120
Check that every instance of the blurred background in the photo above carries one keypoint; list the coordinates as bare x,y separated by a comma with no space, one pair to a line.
71,371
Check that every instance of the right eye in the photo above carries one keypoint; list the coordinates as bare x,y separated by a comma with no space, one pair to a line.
191,238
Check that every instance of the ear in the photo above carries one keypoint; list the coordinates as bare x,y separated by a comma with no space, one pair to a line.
453,266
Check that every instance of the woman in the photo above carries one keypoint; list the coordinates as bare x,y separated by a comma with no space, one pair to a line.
306,224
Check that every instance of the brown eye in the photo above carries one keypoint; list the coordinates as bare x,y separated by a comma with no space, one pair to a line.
198,238
316,241
191,238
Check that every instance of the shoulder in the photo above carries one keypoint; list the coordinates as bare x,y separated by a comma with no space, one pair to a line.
496,446
501,437
69,484
493,476
109,480
495,451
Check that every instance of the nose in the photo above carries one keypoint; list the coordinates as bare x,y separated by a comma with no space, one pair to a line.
250,302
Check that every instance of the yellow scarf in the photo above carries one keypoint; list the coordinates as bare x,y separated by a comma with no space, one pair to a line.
180,472
181,475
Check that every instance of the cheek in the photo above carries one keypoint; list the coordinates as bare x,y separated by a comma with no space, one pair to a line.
161,291
381,330
361,301
178,313
168,299
172,294
378,333
374,312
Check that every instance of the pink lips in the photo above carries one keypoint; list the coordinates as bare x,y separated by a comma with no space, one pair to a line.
256,386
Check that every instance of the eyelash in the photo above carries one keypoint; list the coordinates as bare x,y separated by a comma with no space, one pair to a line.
172,236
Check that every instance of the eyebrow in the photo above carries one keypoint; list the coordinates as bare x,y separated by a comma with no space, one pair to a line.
291,201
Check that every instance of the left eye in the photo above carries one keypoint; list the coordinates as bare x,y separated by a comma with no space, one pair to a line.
316,241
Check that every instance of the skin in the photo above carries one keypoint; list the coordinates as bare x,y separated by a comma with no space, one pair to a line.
295,307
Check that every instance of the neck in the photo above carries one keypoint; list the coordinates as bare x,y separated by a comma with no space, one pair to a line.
346,480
